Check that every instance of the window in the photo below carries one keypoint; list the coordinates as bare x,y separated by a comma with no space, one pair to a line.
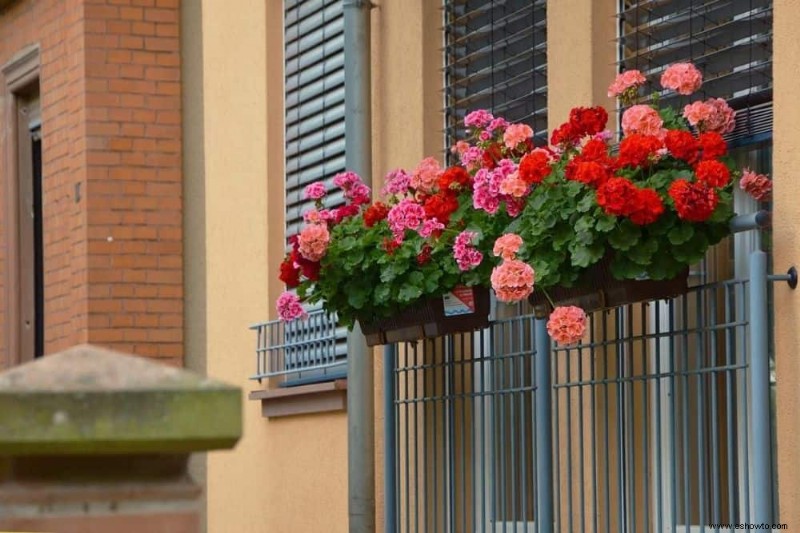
495,59
729,41
313,350
24,282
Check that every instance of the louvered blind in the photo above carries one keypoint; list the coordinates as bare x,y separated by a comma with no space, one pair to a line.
730,41
315,133
495,59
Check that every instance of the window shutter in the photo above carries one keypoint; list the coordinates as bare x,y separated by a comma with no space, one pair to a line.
315,133
495,59
730,41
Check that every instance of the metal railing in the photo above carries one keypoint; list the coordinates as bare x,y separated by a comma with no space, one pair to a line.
650,423
301,351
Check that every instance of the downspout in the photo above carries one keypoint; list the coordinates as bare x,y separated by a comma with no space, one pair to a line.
360,367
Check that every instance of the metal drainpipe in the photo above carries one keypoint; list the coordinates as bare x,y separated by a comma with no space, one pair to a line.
360,368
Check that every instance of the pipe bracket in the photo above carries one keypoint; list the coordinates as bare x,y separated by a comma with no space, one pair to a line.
790,277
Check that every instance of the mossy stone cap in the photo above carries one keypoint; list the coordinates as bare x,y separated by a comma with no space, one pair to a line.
92,400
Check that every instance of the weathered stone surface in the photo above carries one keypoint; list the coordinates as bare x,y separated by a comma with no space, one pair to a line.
91,400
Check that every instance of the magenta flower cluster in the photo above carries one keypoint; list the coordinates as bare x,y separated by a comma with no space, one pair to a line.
466,255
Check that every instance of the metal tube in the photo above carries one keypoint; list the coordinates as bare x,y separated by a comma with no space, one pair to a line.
360,367
544,431
759,390
389,441
750,221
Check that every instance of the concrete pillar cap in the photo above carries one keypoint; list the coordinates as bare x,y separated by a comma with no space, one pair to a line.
89,399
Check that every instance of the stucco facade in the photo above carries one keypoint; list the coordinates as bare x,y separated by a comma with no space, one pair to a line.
290,474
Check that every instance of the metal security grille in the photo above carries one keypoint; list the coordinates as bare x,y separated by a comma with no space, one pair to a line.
495,59
647,425
315,139
729,40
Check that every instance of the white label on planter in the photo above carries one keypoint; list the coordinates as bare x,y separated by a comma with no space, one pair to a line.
461,301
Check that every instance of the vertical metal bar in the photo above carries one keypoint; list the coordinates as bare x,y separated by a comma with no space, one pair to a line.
544,430
759,389
360,365
389,438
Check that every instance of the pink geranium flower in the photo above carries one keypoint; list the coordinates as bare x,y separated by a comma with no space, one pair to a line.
713,114
289,307
465,254
567,324
758,186
478,119
429,227
626,83
642,119
315,191
313,241
507,246
513,185
405,215
426,174
516,134
512,280
682,77
396,182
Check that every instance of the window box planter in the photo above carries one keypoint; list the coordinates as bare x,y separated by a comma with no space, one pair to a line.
600,290
465,309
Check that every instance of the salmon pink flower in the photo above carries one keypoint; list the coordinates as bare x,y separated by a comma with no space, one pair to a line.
758,186
507,246
516,134
512,280
626,83
426,175
567,324
714,115
682,77
642,119
313,241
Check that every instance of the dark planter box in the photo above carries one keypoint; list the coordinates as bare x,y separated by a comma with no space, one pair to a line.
427,319
600,290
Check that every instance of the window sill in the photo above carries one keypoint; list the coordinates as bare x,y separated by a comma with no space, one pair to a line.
303,399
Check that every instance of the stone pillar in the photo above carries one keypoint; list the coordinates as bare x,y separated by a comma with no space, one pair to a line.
95,441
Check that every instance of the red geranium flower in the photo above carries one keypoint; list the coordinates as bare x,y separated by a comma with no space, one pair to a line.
588,172
637,149
713,173
595,150
390,245
375,213
713,145
534,167
289,274
588,120
647,207
564,134
424,255
441,206
682,145
617,196
492,155
454,178
694,202
343,212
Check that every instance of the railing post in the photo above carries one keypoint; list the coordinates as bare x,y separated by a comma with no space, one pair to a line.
544,430
759,390
389,440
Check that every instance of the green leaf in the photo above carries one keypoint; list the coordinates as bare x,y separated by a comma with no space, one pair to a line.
680,234
625,236
583,256
605,223
409,293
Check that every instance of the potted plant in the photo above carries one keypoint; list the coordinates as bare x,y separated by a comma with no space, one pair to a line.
594,226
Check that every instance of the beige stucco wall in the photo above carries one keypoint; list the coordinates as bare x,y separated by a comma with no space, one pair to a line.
785,162
285,474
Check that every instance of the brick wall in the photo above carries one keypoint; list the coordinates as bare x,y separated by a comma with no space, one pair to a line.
110,96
